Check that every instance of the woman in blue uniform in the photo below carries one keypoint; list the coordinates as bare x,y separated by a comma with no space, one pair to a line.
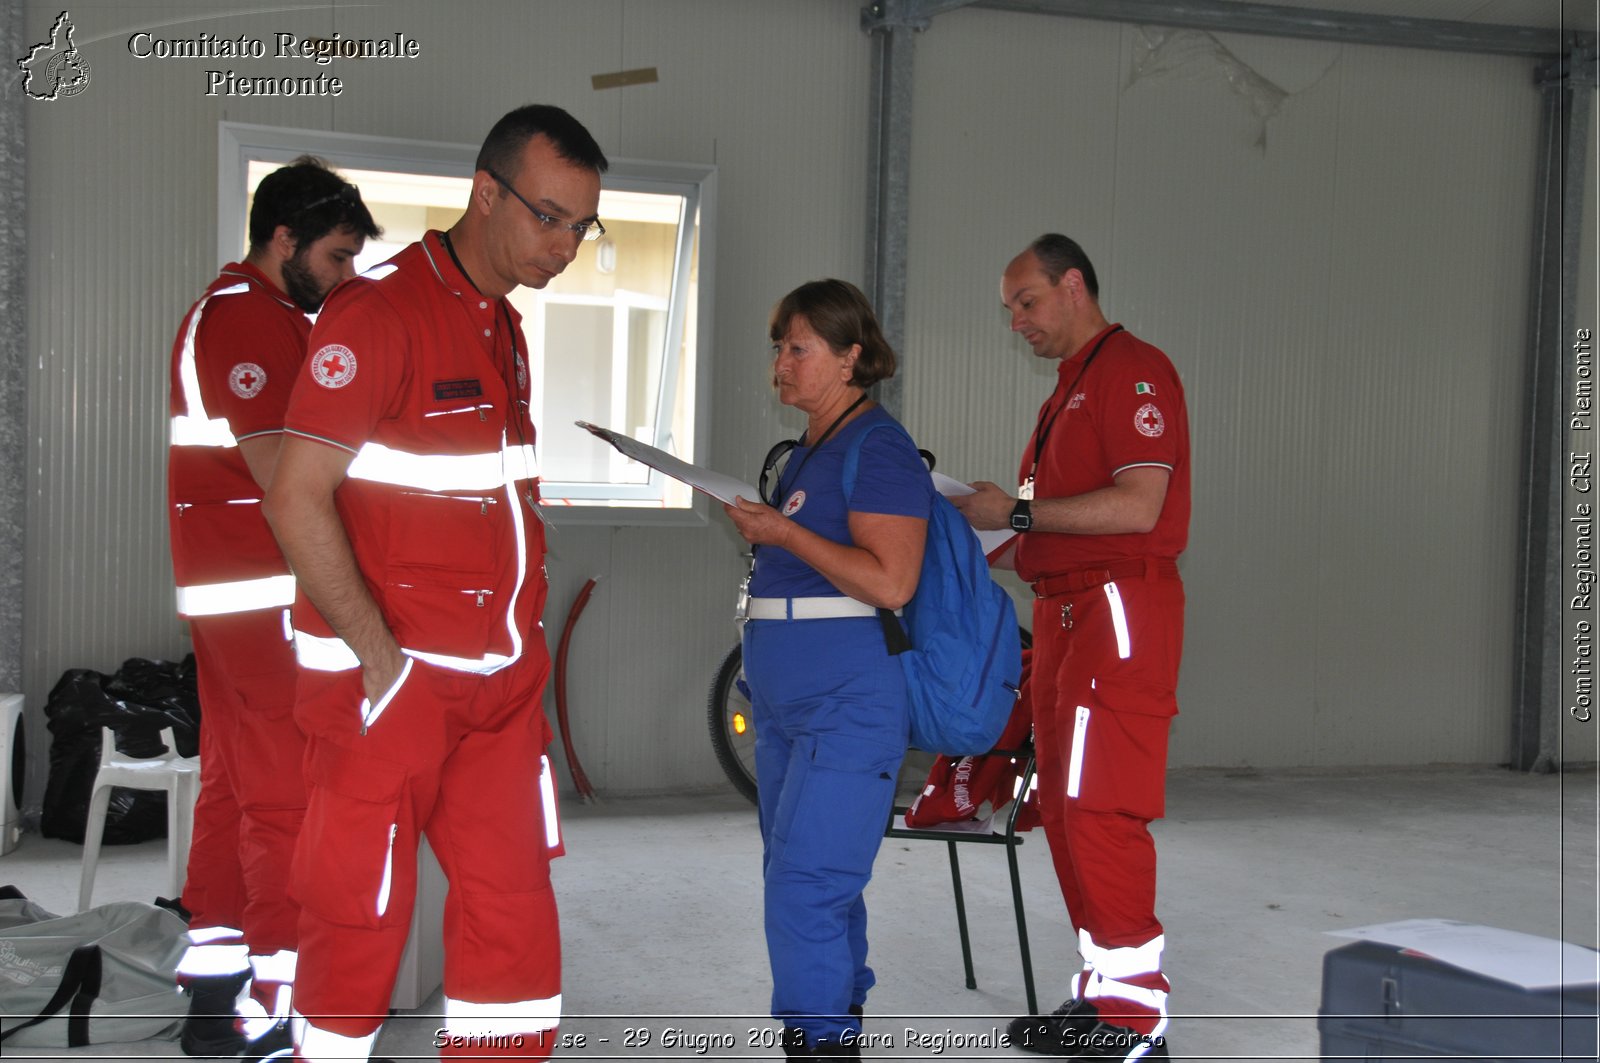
829,702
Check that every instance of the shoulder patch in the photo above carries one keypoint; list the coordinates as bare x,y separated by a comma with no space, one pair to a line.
1148,420
333,366
247,379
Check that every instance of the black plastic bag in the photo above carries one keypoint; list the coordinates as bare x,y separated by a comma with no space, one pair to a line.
136,703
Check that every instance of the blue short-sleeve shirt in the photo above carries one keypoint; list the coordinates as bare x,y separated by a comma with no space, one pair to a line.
890,478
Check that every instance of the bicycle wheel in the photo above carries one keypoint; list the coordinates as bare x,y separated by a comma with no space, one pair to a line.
733,732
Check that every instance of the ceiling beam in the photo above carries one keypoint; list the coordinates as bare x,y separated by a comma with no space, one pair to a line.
1229,16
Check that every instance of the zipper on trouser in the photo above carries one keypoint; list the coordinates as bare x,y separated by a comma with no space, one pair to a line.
1119,621
371,712
388,873
1080,736
547,793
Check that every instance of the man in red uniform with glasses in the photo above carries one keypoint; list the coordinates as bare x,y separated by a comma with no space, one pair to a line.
234,363
1102,513
406,501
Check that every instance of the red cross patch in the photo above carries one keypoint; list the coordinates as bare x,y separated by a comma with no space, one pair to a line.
333,366
247,379
1149,420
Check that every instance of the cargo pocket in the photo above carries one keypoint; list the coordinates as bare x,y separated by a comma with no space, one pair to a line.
835,803
357,838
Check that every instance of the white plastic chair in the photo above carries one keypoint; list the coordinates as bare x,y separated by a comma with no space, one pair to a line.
178,776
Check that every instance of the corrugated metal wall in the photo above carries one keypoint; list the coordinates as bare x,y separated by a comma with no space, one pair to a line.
1345,301
1341,286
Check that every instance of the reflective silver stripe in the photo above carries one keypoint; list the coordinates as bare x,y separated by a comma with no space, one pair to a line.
205,961
1080,734
383,464
324,653
388,873
1119,621
464,1018
213,935
195,432
197,428
325,1046
1154,999
522,462
238,596
1124,962
429,472
519,530
547,791
371,712
329,653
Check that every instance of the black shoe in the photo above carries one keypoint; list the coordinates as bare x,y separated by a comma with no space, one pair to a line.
208,1029
276,1044
1053,1034
1105,1043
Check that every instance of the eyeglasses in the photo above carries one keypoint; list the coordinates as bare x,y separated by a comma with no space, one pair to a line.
585,230
349,193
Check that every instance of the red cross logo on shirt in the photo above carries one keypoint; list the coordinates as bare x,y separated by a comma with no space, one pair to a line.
1149,421
247,379
333,366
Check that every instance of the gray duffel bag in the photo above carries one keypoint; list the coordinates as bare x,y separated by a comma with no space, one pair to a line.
101,976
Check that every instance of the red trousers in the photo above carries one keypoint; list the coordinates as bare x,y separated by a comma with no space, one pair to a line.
460,757
252,798
1105,674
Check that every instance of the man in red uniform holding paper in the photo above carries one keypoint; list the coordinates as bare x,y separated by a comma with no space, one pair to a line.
406,501
1102,513
234,363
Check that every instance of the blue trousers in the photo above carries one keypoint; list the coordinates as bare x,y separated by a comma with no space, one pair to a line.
832,723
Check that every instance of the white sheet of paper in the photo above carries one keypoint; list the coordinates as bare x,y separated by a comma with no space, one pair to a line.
1521,959
714,484
990,540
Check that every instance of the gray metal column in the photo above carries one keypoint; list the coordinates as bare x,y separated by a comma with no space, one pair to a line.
891,25
1567,87
13,332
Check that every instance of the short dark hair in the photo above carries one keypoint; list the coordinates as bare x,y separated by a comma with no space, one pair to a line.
838,312
1057,254
502,148
311,200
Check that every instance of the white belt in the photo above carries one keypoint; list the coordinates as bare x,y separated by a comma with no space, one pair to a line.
808,608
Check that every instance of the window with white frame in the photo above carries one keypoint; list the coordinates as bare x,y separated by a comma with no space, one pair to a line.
616,340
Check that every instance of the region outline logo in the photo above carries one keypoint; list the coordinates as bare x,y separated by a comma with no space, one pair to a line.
55,64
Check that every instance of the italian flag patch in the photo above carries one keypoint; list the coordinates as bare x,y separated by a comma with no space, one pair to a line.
1142,388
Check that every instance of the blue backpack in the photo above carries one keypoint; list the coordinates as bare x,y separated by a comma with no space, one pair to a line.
959,645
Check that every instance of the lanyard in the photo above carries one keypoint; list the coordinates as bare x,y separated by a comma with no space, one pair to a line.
783,447
1041,431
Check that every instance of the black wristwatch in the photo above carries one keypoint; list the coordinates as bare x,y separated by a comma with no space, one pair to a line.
1022,515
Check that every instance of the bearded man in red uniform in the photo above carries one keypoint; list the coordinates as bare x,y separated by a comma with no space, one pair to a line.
1102,513
234,364
406,501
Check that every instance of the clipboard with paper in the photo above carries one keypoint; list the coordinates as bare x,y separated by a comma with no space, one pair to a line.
723,488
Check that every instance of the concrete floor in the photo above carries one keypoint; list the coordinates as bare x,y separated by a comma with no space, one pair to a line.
661,912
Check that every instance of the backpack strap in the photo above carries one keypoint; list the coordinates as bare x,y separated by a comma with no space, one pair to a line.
80,983
895,639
